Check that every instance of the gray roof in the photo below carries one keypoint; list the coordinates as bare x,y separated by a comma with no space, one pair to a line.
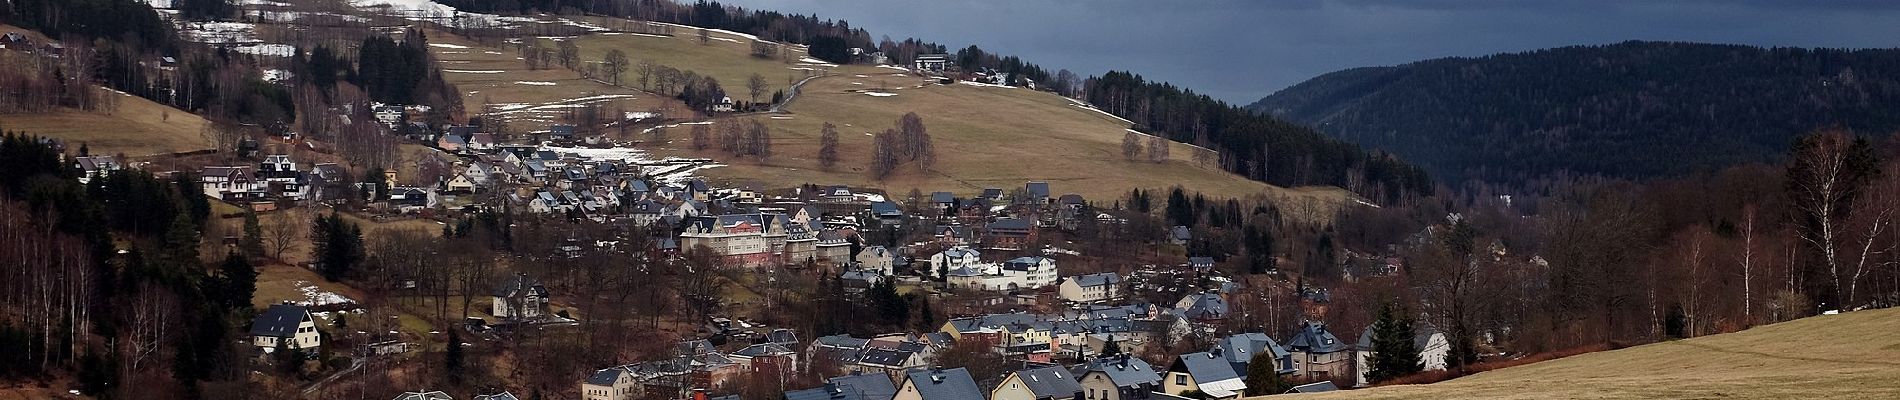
944,384
942,197
436,395
1206,305
1180,232
960,252
520,285
1051,382
1242,348
1314,338
1200,260
1037,190
849,387
1011,224
886,209
1315,387
1097,279
1205,367
280,320
763,350
498,396
886,357
782,336
606,377
1126,371
844,341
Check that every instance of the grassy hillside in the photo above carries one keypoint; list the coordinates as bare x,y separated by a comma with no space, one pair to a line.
984,137
135,127
1849,356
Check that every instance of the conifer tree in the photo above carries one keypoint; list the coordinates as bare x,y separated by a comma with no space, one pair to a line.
1394,352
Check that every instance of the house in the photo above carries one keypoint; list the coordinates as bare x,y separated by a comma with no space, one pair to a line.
1317,354
752,240
938,384
231,183
945,202
411,197
1180,235
1203,307
1105,286
1207,372
1201,264
876,259
934,62
1010,233
766,357
96,166
498,396
519,297
948,260
451,142
890,360
724,105
435,395
1044,383
1037,192
849,387
1118,377
459,184
887,213
1241,349
617,383
859,280
287,323
278,168
953,235
993,194
1431,344
561,132
1015,274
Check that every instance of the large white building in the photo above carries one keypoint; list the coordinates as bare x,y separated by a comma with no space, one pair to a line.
1015,274
1105,286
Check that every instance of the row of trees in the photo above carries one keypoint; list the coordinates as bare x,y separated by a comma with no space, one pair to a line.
909,142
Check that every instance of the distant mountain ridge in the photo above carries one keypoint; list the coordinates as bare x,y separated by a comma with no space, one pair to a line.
1632,109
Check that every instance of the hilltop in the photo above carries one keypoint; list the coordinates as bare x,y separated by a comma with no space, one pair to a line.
1633,109
1847,356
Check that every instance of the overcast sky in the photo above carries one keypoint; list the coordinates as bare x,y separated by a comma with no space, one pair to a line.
1240,51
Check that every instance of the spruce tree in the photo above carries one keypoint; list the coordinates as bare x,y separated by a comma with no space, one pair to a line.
240,281
452,356
1263,375
1112,347
1394,353
253,242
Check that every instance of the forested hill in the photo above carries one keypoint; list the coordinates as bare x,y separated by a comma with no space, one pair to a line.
1633,109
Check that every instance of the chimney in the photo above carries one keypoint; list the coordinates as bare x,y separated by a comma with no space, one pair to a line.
699,394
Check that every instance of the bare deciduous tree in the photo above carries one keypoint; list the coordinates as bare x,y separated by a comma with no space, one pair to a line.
828,146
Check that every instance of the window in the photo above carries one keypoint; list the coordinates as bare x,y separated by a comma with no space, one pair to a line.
1180,379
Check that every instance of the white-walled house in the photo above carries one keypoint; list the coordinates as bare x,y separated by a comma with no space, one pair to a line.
1431,344
953,258
285,322
876,258
1090,288
519,297
1015,274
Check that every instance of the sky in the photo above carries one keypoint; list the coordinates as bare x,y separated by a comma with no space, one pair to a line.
1240,51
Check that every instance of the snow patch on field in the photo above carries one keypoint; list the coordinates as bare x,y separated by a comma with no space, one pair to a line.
981,84
535,83
720,31
894,67
809,60
447,46
472,71
880,94
219,32
315,296
638,115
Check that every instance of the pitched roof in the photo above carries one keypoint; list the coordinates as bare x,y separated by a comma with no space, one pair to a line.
944,384
1314,338
520,285
1037,190
1097,279
763,350
280,320
498,396
1204,305
886,357
1050,382
1125,371
868,386
942,197
436,395
1011,224
961,252
606,377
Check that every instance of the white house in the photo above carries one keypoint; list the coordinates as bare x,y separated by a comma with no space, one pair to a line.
1090,288
950,260
520,297
1015,274
1431,344
289,323
231,183
876,258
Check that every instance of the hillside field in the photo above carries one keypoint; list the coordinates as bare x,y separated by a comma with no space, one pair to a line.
1849,356
135,126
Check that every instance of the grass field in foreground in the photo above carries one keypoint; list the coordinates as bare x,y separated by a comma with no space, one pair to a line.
983,136
136,127
1849,356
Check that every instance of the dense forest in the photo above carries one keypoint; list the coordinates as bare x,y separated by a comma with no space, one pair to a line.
1631,110
1258,147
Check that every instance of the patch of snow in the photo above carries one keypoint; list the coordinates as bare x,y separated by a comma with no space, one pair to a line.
780,117
871,197
447,46
276,75
894,67
270,49
1059,250
720,31
315,296
1091,107
723,39
880,94
640,115
809,60
492,52
469,71
535,83
1363,202
981,84
859,76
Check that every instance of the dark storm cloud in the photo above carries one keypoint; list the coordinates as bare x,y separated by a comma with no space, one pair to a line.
1242,50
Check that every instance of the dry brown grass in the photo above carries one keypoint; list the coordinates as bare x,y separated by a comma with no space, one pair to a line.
984,137
501,88
135,127
1849,356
